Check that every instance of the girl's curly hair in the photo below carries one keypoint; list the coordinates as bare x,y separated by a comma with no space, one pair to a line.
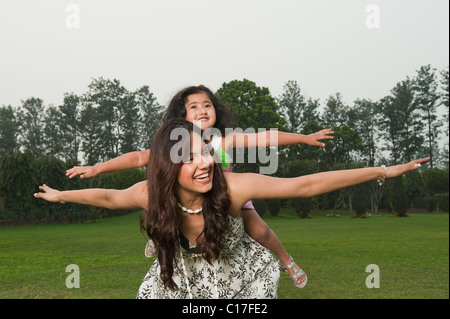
177,109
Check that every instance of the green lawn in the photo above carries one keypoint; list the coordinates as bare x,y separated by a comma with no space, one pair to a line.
412,255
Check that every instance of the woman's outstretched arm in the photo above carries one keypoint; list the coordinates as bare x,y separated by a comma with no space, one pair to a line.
134,197
243,187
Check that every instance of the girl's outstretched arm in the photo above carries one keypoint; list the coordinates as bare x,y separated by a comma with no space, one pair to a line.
123,162
134,197
268,138
243,187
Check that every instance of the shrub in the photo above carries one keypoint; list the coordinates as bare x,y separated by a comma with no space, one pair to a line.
399,197
17,180
274,206
436,180
21,174
360,200
260,206
428,203
119,179
302,206
441,201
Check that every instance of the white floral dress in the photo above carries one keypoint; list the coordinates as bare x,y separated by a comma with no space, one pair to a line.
244,269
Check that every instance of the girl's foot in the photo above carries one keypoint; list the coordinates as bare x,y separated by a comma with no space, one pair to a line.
298,276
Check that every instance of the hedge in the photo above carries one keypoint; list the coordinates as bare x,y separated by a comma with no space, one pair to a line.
260,206
274,206
441,201
21,174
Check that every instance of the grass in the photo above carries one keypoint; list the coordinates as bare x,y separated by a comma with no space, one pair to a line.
412,255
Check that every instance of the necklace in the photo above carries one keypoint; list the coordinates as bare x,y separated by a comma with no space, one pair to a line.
190,211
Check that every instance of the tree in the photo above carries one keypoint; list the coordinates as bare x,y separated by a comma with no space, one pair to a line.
297,167
365,122
445,93
51,130
9,131
311,112
253,107
411,124
90,132
399,197
360,200
389,128
31,117
335,112
292,103
436,180
425,86
344,148
297,111
107,97
336,115
376,193
150,115
345,194
346,141
306,152
69,124
414,188
444,101
400,124
129,123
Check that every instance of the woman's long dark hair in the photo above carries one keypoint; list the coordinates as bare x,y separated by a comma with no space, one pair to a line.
163,218
177,108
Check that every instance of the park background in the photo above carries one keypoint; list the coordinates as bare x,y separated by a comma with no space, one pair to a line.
83,82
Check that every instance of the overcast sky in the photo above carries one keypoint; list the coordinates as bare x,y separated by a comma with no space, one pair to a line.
356,47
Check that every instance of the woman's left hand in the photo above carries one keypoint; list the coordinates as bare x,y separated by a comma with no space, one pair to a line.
397,170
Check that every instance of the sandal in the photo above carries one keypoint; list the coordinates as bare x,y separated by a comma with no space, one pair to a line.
150,249
297,273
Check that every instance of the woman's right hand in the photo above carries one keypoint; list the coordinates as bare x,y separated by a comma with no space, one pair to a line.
83,171
49,194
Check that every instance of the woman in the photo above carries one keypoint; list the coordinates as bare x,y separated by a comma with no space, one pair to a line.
192,213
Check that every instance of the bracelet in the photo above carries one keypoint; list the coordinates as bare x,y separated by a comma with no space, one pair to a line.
380,182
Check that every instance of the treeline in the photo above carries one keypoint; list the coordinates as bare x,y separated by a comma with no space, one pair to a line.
108,120
103,123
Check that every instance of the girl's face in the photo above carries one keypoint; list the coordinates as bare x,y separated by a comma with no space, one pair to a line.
200,109
196,175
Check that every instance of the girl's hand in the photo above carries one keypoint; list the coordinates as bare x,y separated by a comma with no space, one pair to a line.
314,138
83,171
397,170
49,194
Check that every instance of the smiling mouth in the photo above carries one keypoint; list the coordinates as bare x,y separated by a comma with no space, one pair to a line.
202,178
203,119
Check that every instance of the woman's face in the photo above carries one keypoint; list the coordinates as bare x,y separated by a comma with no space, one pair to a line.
200,109
196,175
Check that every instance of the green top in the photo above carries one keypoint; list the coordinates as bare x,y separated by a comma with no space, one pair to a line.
225,159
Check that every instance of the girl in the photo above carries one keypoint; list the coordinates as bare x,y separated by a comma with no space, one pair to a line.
198,103
192,213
